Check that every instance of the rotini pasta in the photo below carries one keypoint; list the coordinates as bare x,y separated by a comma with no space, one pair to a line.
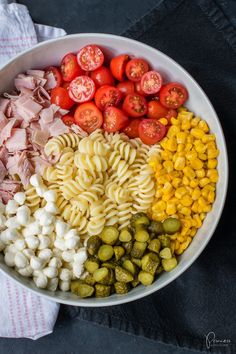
55,145
32,199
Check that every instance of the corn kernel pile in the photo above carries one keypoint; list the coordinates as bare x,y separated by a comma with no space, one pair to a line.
186,176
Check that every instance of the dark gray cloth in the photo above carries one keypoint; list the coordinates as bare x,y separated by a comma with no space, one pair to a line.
199,36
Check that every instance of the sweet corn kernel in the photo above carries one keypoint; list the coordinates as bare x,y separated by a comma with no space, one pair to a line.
196,164
212,163
163,179
158,193
206,208
202,202
197,133
208,137
205,192
189,190
180,238
194,207
175,174
159,216
211,197
176,182
179,163
195,121
193,232
180,192
181,137
200,173
202,216
166,155
186,125
160,206
213,175
198,221
190,139
193,183
212,153
187,201
186,211
173,130
167,197
168,165
204,181
171,144
202,157
170,208
189,172
199,146
174,121
167,188
188,147
185,181
191,155
203,126
180,147
163,121
176,245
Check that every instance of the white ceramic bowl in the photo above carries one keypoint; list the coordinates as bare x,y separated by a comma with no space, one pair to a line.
51,53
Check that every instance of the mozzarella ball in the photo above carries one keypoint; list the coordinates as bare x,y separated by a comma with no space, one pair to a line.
11,207
33,228
20,198
50,196
71,233
50,272
81,256
55,262
32,242
41,190
68,255
47,230
46,219
12,234
3,237
60,243
77,269
72,242
2,208
61,228
2,222
65,274
11,248
64,285
41,281
56,252
52,284
20,244
37,263
28,253
12,223
21,260
45,254
26,272
38,213
51,208
23,215
44,242
9,259
36,180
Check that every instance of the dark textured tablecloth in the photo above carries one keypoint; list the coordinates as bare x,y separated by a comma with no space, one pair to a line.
199,36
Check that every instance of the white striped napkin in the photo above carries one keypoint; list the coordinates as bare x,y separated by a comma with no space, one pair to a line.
22,313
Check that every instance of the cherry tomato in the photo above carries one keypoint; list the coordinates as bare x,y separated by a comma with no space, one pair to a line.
156,110
172,113
138,89
117,66
107,96
151,82
173,95
90,57
68,120
135,105
57,74
70,67
82,89
102,76
151,131
114,119
126,87
132,128
60,96
88,117
136,68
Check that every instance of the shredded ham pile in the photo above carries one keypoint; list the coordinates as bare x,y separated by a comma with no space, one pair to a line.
27,121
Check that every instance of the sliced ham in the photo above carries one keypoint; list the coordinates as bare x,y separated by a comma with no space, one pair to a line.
27,108
41,95
6,131
4,102
26,81
57,127
38,73
25,169
3,171
17,141
12,164
51,81
47,115
7,190
40,137
4,155
3,120
40,164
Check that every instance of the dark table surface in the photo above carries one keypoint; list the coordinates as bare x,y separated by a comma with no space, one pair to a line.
77,336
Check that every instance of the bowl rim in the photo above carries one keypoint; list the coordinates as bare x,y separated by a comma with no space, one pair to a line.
124,299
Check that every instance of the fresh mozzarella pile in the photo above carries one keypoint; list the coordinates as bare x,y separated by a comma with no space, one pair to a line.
40,244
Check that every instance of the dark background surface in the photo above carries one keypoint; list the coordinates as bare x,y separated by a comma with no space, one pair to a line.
71,335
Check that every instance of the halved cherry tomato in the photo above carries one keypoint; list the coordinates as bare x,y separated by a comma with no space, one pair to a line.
151,82
117,66
172,113
90,57
136,68
60,96
88,117
82,89
151,131
126,87
173,95
102,76
114,119
132,128
57,74
68,120
70,68
156,110
135,105
138,89
107,96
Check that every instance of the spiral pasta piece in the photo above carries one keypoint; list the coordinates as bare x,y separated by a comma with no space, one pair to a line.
110,211
90,163
93,147
97,219
56,144
32,199
124,214
116,194
126,151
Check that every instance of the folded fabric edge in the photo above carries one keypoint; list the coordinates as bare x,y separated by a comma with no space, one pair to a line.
45,32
